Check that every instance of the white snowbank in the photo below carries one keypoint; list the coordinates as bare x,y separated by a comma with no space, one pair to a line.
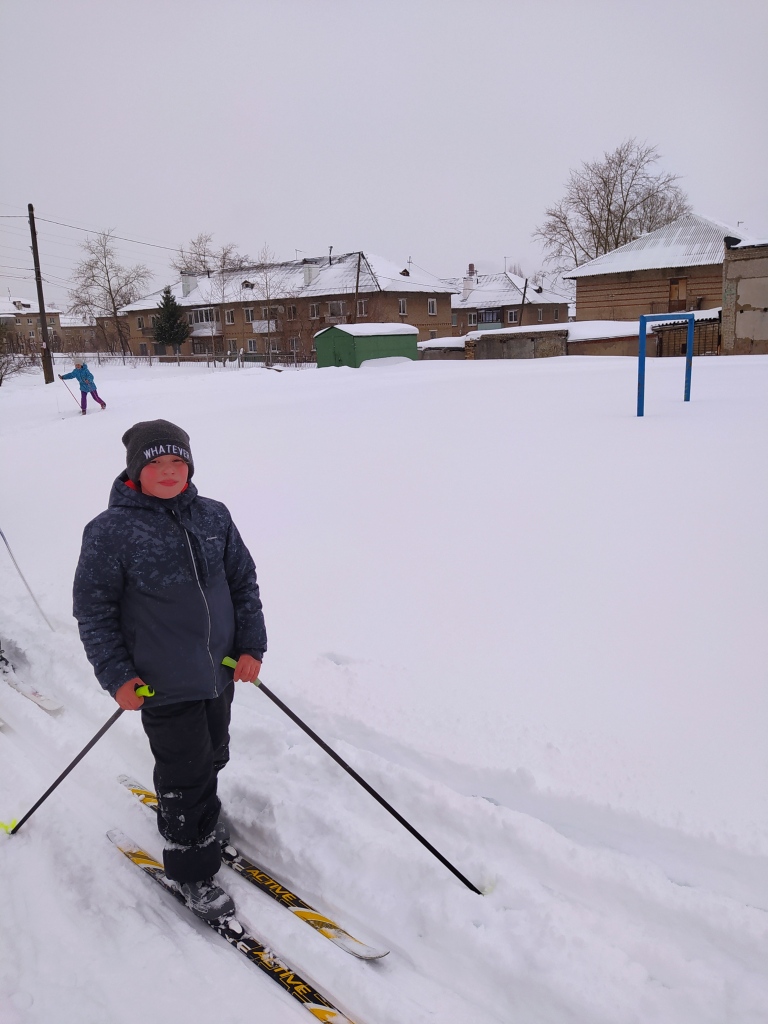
534,622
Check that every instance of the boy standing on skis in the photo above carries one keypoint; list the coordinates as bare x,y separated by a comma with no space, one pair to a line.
87,385
164,590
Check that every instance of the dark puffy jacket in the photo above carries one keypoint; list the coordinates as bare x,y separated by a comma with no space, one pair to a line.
164,589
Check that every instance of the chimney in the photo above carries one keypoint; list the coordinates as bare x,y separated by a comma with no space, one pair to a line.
471,270
188,284
311,270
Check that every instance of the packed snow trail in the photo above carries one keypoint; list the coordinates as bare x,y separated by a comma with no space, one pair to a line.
607,785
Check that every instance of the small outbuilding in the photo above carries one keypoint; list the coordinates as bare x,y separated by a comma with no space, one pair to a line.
352,344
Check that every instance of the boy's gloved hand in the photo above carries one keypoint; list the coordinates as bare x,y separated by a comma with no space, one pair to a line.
126,696
247,670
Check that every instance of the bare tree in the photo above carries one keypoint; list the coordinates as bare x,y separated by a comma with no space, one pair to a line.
200,257
12,363
608,203
102,286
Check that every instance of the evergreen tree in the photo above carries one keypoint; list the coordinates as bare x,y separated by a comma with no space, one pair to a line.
171,326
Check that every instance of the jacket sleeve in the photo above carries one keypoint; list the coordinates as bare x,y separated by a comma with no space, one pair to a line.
97,592
68,376
250,631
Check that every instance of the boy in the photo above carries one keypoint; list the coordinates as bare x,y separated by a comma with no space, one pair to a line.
87,384
164,589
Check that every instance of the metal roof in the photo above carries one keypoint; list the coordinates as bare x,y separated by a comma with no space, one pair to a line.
691,241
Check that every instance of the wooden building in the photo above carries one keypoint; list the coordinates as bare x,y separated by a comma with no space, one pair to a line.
677,268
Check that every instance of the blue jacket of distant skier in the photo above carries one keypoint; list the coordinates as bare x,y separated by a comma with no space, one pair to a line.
84,377
164,589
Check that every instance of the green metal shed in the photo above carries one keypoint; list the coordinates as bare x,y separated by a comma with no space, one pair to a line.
352,344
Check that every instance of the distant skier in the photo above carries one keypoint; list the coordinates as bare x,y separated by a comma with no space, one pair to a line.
87,385
164,590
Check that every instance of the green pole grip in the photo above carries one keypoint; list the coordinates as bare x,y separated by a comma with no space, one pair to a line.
144,691
231,663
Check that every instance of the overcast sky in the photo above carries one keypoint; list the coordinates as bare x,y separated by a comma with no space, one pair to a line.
433,129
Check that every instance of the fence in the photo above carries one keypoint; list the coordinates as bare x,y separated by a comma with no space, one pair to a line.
230,361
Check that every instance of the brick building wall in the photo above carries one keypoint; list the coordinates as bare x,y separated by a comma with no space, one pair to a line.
293,321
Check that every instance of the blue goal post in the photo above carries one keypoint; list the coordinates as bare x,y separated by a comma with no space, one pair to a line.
646,319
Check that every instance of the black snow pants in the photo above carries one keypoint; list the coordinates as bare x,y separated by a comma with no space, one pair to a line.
190,744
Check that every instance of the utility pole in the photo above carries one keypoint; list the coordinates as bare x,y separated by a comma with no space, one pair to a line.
522,304
357,287
45,356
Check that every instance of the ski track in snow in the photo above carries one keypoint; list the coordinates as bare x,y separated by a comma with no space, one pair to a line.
602,906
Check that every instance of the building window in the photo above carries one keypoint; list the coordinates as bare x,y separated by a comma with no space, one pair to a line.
362,307
140,322
232,344
471,319
32,333
314,311
248,315
143,349
489,316
293,344
252,345
153,321
204,316
556,313
433,334
269,312
402,307
50,321
454,319
539,315
336,308
511,316
432,307
290,312
29,321
230,316
274,345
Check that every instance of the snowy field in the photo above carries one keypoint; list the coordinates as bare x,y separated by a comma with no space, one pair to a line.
534,622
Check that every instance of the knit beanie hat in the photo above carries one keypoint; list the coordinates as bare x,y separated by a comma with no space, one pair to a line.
149,439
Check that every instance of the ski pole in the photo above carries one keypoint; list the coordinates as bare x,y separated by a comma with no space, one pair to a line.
231,663
18,570
143,691
67,387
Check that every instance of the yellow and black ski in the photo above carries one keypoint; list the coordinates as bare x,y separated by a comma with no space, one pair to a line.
276,890
231,929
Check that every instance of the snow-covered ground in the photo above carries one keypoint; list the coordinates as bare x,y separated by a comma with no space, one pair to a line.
534,622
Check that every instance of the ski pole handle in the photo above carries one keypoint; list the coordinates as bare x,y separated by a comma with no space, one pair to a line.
144,691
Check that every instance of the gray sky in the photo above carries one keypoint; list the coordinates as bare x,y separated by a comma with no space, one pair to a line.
435,129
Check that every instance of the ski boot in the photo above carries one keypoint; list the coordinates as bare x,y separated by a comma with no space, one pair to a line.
208,900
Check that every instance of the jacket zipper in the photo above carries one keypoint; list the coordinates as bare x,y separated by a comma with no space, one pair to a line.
205,602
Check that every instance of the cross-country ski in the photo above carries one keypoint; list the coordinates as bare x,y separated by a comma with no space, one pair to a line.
258,876
230,929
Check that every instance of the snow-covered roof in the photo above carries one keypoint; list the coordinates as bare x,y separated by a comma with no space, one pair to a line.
698,315
442,343
488,291
371,330
690,241
578,330
307,278
751,243
16,306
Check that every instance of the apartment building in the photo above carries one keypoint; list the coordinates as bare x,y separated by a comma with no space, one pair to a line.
22,318
276,309
489,302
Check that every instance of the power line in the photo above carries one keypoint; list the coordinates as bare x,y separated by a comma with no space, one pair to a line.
90,231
